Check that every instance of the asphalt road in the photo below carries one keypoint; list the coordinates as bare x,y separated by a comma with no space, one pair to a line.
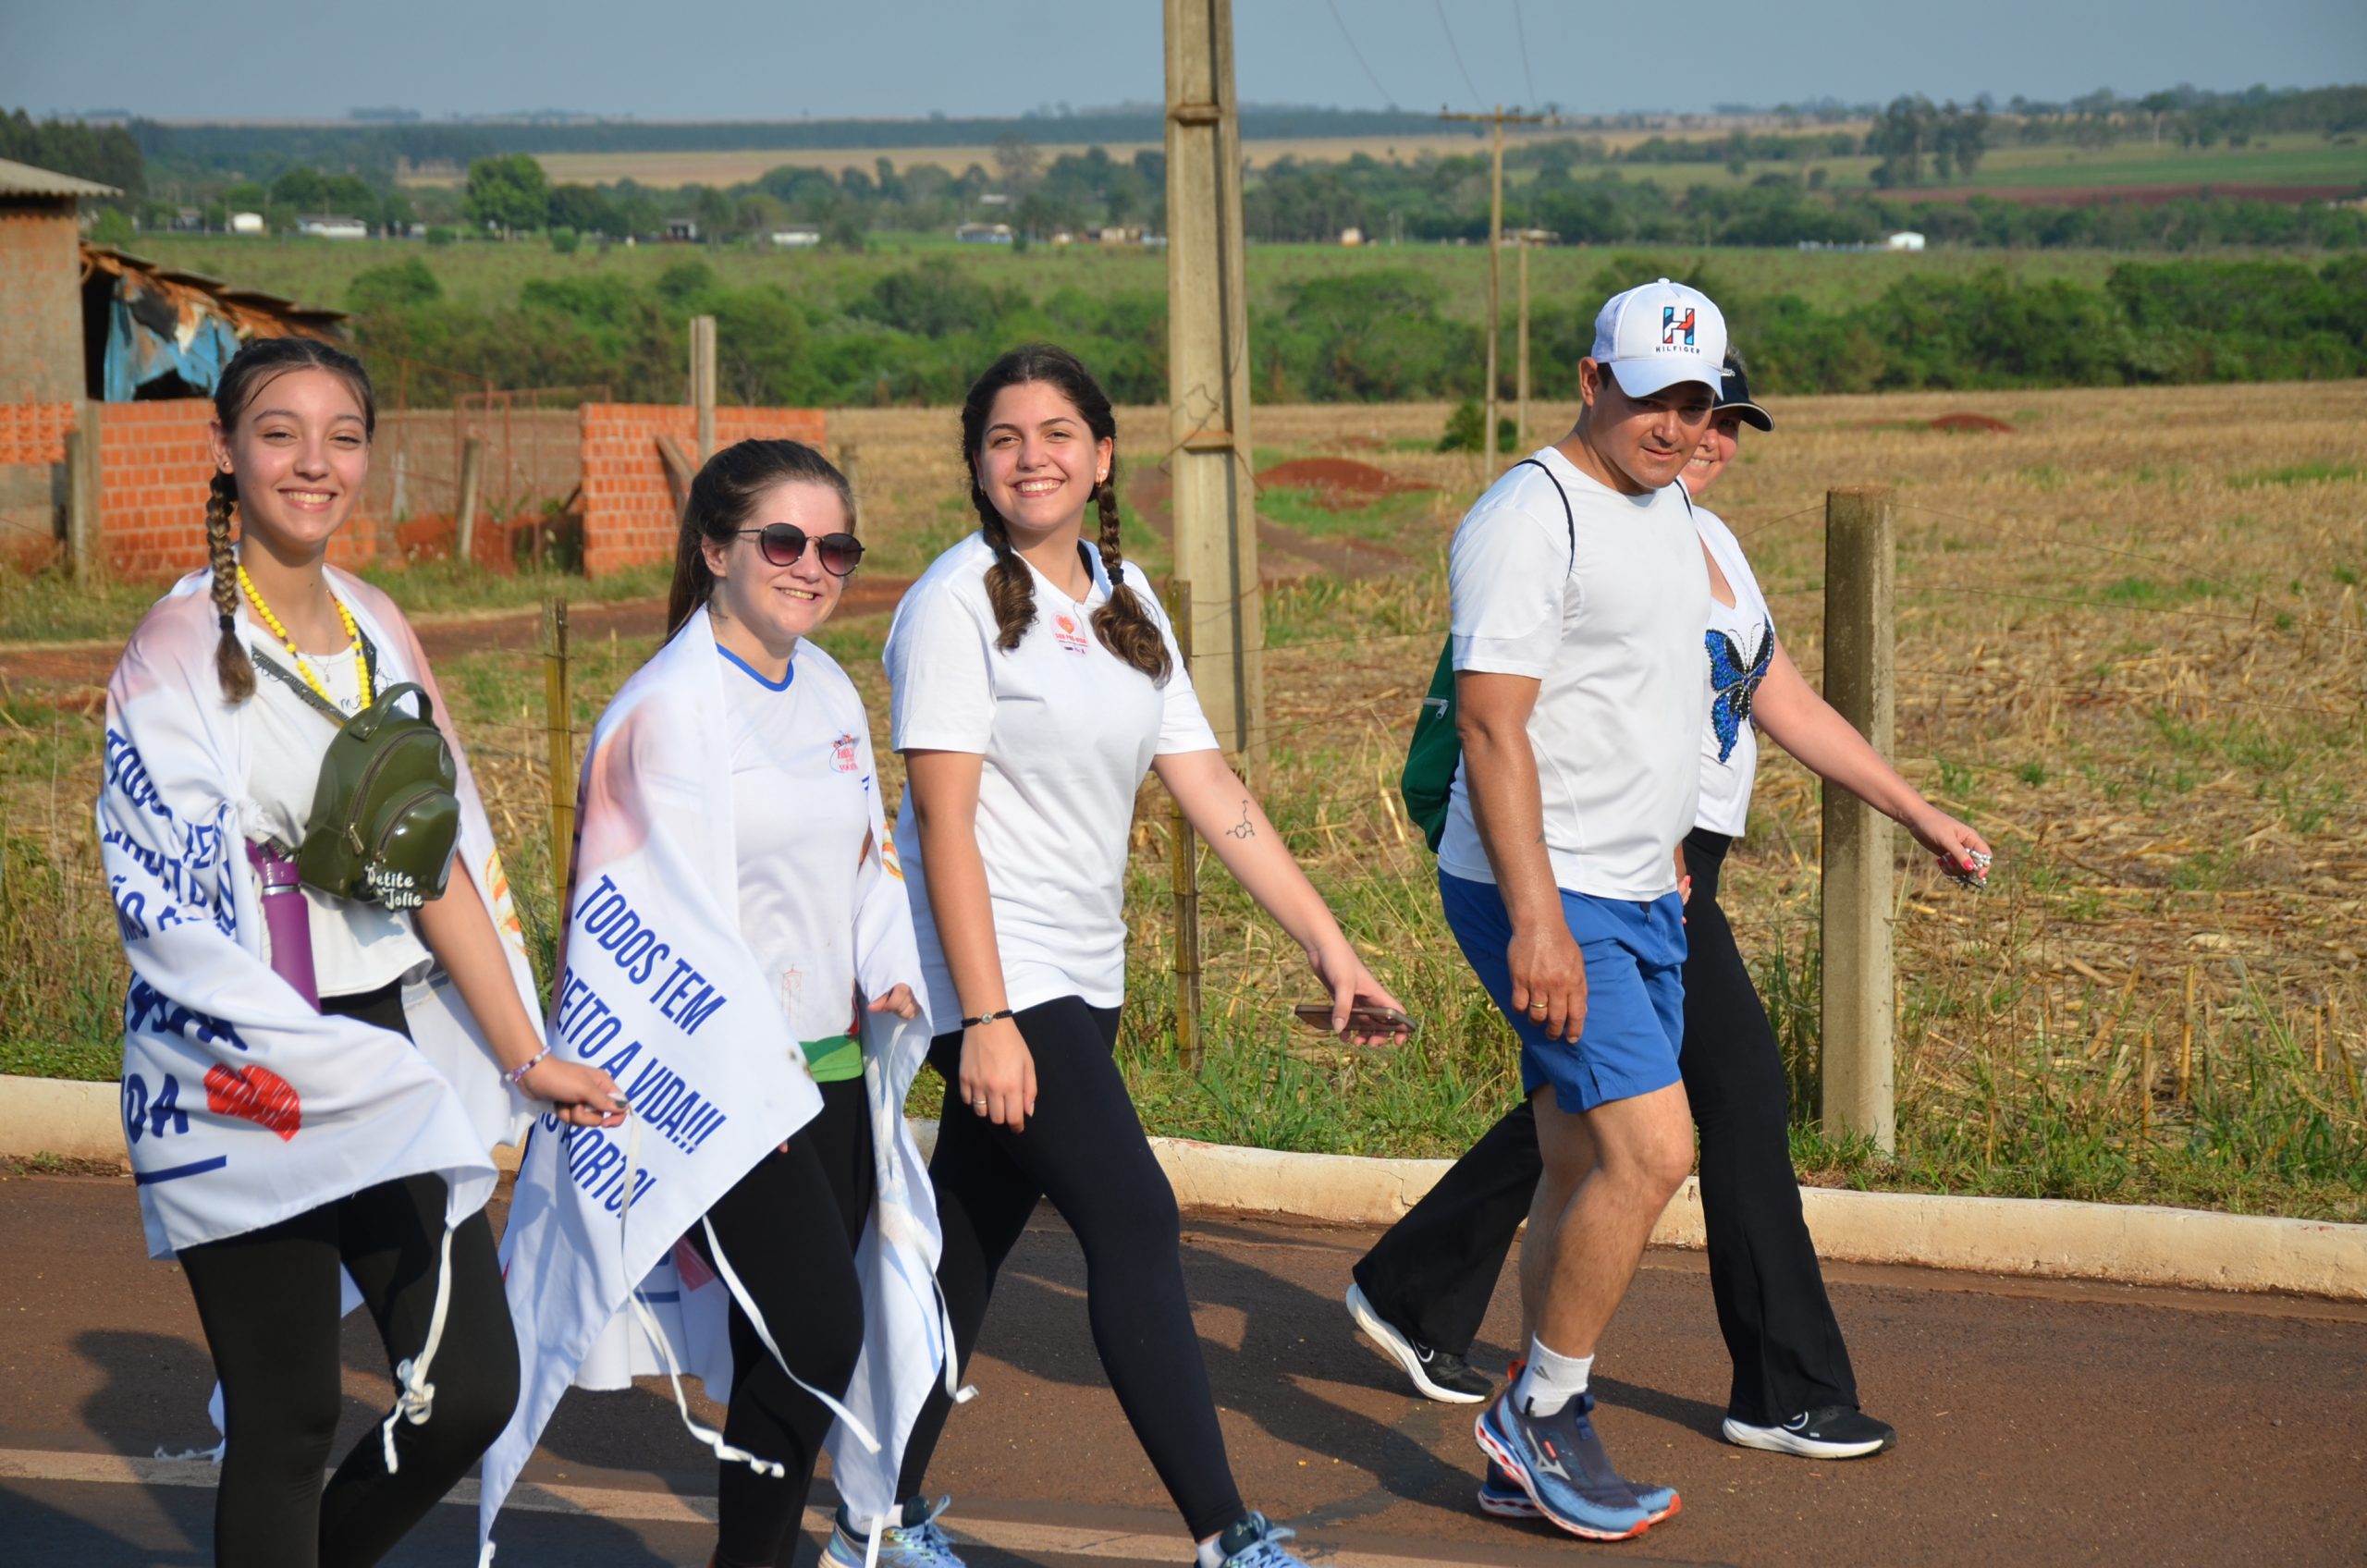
2041,1423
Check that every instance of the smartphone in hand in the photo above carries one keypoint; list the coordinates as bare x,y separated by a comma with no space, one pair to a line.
1364,1018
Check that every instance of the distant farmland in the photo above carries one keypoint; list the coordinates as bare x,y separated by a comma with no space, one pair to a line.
2283,167
744,166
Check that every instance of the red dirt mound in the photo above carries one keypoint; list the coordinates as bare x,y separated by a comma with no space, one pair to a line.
1340,484
1971,422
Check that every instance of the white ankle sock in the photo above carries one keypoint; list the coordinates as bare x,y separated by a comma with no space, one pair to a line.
1552,1380
1211,1552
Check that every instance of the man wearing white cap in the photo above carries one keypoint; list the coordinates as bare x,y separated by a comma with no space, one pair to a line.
1578,595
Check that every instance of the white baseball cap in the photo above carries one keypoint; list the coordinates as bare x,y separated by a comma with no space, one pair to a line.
1658,335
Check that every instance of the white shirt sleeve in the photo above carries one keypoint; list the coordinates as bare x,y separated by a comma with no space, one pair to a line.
942,691
1181,725
1507,573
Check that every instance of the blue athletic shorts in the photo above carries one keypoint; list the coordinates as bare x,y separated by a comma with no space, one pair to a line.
1635,1023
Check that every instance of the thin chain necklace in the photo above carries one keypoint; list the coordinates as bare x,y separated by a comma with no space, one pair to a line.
304,664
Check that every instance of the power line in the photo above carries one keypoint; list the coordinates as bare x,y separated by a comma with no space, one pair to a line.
1520,30
1358,55
1439,6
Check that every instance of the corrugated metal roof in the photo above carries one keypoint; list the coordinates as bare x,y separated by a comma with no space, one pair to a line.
23,180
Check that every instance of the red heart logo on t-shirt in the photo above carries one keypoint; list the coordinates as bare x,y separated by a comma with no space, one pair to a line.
256,1095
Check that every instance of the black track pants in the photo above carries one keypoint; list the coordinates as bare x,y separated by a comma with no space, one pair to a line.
789,1229
268,1299
1085,1150
1434,1270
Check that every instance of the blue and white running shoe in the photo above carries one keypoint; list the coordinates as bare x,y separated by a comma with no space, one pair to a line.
1560,1462
915,1542
1251,1541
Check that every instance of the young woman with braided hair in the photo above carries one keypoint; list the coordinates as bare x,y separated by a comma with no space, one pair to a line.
1034,682
312,1080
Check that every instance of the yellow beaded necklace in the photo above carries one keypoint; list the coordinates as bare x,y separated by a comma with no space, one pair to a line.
303,664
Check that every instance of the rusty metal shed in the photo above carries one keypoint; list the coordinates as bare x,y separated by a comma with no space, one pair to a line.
151,331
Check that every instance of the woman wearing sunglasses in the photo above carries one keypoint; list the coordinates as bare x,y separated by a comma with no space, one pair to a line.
1036,683
731,830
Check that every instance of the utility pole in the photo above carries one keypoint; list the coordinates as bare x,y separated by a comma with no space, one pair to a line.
1495,123
1520,362
1208,378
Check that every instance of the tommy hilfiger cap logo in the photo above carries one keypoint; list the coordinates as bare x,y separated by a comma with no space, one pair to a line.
1671,325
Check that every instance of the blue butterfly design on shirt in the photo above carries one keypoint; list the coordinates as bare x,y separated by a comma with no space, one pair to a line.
1733,683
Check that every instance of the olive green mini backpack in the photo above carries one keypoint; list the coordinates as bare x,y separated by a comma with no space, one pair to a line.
385,813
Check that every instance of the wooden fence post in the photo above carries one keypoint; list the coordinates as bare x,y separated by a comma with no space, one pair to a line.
703,382
1858,1003
558,724
1185,879
850,465
472,480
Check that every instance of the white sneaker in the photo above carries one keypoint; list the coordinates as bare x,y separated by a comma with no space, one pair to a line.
1835,1431
1437,1374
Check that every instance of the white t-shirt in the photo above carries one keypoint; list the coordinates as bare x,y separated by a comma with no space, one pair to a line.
802,778
357,946
1614,637
1067,731
1739,643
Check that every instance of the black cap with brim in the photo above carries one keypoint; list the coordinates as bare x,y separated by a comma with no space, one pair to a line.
1733,393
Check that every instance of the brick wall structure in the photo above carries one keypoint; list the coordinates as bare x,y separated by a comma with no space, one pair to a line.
32,479
629,515
154,467
40,303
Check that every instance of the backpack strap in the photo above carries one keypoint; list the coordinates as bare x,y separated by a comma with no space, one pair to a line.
1569,519
303,688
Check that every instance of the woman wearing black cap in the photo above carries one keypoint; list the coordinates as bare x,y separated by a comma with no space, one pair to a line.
1421,1291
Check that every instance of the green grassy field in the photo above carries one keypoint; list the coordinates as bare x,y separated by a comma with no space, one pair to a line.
319,271
2280,159
2295,159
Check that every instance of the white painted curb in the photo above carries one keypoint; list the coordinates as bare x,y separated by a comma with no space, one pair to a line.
2131,1244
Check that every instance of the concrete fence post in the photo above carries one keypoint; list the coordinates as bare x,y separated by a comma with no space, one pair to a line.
464,545
1858,1003
82,497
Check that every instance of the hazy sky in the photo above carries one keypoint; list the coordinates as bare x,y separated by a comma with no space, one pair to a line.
712,59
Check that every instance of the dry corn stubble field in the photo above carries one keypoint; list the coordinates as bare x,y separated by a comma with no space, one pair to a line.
2133,651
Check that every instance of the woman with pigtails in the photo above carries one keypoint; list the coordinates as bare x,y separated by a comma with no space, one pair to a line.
1034,682
331,1019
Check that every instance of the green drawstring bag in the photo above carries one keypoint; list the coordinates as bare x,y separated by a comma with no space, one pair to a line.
385,815
1434,754
1436,751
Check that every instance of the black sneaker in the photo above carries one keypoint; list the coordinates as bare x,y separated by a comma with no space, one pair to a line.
1835,1431
1438,1374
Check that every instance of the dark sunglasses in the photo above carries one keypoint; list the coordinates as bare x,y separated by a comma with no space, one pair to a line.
784,544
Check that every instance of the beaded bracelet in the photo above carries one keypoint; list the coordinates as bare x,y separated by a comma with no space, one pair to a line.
986,1018
518,1075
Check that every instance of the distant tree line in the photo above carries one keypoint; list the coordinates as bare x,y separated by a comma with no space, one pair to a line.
917,335
1570,185
108,153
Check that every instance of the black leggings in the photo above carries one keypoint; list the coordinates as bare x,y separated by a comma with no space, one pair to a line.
268,1300
1434,1270
1083,1149
789,1229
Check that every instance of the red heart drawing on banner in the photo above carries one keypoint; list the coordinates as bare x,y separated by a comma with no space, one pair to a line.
256,1095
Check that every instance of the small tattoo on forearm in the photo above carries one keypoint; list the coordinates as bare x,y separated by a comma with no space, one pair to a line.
1242,829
